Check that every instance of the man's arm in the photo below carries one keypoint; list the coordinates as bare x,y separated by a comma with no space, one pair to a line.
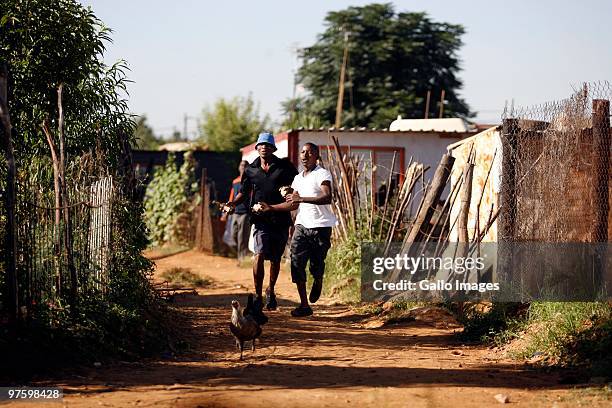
286,206
322,199
245,190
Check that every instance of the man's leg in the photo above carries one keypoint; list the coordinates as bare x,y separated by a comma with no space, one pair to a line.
242,238
321,244
278,242
258,274
300,251
274,271
301,287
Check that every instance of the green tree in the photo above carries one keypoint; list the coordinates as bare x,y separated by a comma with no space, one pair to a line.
47,43
393,60
144,135
232,124
297,115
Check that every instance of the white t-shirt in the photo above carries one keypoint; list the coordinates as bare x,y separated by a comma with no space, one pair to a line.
313,215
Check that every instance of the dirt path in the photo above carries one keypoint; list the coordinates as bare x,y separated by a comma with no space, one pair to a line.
325,361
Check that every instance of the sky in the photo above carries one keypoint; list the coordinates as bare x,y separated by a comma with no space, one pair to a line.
186,54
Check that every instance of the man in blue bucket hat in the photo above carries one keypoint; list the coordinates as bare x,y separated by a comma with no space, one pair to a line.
269,213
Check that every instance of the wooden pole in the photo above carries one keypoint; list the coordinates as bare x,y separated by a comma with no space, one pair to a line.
341,85
66,208
427,104
442,104
601,163
507,199
11,232
430,201
200,221
387,195
349,198
58,204
466,198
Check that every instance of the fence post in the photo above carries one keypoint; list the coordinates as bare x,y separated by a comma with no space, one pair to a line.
66,207
11,244
204,233
601,162
507,200
601,144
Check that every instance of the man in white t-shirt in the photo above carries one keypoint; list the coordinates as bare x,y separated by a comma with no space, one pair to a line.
312,235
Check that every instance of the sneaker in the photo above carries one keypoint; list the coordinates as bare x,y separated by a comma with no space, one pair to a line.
315,291
301,311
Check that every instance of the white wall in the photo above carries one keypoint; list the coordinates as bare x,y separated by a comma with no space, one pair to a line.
426,148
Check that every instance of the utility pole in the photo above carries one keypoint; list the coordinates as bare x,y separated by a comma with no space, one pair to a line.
185,119
442,104
427,104
341,85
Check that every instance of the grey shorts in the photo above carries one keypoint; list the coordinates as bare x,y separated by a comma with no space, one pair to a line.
309,244
270,241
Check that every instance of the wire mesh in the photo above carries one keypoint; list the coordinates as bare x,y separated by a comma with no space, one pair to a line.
49,245
556,169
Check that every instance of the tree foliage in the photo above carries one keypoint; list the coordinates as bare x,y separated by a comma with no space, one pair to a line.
44,44
47,43
232,124
296,114
144,135
394,59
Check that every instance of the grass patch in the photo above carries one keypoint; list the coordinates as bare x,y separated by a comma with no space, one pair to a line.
571,334
164,251
561,323
499,323
568,334
184,277
343,271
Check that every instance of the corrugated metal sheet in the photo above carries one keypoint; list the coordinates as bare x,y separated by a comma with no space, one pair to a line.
485,145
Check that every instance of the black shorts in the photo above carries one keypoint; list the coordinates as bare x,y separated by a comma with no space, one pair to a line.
270,240
309,244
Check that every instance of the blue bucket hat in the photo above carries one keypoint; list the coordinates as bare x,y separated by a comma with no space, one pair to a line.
266,137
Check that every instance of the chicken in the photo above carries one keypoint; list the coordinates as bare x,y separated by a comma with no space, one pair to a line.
285,191
243,326
256,314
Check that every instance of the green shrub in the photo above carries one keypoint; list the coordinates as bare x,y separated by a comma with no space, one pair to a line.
168,195
343,270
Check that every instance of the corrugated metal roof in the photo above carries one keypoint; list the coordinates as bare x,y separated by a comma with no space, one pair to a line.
427,125
375,130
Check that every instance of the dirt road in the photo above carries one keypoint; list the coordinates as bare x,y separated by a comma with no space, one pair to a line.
327,360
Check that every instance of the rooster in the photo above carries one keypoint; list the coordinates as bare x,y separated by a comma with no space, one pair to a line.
243,326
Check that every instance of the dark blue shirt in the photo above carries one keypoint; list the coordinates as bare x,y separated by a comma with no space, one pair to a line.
265,187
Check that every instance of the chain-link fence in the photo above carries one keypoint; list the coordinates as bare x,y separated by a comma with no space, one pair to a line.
556,169
555,188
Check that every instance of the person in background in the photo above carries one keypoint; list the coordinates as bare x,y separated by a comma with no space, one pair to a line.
241,226
312,196
269,212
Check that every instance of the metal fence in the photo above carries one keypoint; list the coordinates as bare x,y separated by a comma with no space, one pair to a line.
63,252
555,188
556,169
